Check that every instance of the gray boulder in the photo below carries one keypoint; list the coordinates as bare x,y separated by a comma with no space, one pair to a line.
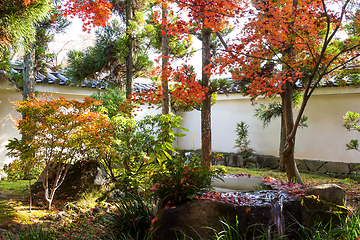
198,219
329,192
83,176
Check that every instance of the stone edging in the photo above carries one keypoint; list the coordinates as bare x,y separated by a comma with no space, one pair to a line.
333,169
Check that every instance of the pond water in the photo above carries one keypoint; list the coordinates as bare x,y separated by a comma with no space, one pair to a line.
238,182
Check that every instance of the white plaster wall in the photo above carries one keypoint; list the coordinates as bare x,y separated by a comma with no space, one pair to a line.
7,130
324,139
190,121
225,113
146,110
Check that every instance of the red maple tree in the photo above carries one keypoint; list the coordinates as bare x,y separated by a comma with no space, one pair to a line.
207,17
293,45
92,12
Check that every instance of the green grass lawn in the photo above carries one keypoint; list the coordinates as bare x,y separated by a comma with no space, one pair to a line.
14,203
14,189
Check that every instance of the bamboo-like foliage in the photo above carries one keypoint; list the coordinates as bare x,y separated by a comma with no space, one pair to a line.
17,21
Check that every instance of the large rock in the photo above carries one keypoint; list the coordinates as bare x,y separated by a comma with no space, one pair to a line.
317,211
324,203
83,176
328,192
198,219
266,213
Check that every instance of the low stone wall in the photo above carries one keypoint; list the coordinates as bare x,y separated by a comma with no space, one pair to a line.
333,169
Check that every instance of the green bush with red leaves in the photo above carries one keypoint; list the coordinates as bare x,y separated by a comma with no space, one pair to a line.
179,181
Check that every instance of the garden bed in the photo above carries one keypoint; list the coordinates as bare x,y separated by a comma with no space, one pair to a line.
14,210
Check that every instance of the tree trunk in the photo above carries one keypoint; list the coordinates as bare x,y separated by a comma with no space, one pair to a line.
49,200
28,76
30,199
28,93
46,184
288,153
286,101
129,58
28,83
165,62
206,103
61,171
282,143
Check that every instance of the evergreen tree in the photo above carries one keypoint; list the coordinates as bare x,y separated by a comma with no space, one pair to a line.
17,21
17,25
107,59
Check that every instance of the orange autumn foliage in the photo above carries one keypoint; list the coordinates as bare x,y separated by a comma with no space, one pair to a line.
92,12
196,15
214,14
27,2
266,38
287,46
61,132
185,90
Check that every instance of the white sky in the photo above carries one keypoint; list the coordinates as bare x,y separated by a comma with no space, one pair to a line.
73,39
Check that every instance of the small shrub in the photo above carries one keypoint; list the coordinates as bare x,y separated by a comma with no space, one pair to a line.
131,219
180,181
138,148
28,232
357,173
218,157
220,170
242,141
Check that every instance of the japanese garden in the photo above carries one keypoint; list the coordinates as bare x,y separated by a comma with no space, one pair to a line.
180,119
